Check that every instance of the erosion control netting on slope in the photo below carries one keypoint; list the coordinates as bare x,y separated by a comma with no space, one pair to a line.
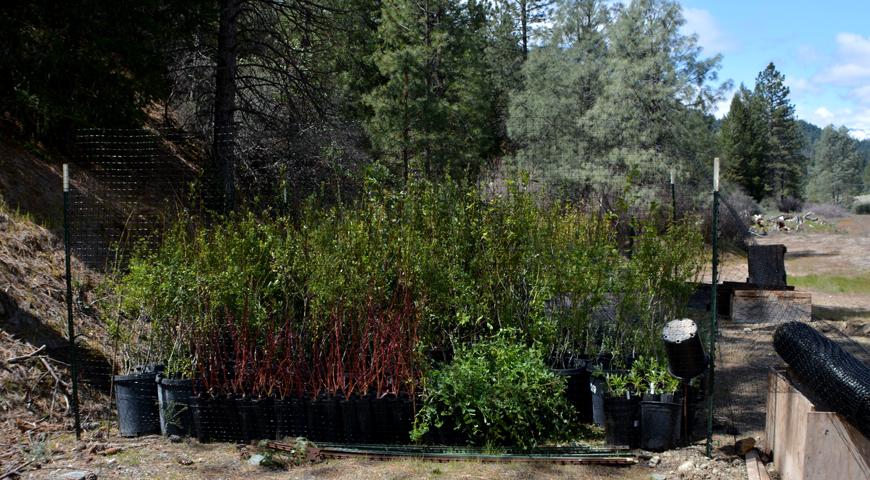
837,378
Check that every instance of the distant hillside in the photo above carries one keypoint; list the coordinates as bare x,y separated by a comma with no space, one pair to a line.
812,133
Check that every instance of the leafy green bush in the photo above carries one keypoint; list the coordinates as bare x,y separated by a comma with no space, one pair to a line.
497,392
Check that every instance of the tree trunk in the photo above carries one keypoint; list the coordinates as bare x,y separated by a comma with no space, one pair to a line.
524,26
223,175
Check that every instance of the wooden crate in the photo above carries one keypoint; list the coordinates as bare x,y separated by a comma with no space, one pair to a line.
808,443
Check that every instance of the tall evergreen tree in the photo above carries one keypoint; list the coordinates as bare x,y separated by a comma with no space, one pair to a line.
743,141
562,82
504,61
784,165
835,173
655,76
527,18
431,113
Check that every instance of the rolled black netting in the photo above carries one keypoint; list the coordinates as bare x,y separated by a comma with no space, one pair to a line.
834,375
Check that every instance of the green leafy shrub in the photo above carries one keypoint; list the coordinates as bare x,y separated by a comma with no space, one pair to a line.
497,392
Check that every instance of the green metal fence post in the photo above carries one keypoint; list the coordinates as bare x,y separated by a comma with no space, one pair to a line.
69,316
713,309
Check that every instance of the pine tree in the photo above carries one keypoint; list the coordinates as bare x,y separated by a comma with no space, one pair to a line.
655,77
784,165
835,174
504,56
743,140
430,114
563,80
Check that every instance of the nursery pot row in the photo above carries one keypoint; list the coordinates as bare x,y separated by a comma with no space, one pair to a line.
357,419
149,404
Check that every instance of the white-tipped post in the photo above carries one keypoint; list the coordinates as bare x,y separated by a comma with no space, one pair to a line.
673,176
65,177
716,174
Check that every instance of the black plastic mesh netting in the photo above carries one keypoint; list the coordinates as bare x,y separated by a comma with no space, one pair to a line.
836,377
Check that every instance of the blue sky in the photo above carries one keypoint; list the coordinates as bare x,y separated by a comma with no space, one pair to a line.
822,48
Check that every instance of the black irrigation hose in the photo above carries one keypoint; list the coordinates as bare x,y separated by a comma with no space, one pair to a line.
835,376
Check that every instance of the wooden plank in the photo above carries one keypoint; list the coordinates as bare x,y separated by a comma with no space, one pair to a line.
835,449
768,439
754,468
789,429
770,306
810,444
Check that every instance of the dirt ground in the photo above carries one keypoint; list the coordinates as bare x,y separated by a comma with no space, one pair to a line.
156,457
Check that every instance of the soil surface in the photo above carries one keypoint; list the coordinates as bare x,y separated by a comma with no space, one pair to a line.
157,457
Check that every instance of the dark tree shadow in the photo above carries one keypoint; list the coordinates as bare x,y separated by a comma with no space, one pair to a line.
94,368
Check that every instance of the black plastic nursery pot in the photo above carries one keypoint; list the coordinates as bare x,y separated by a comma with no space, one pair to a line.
621,421
382,419
356,418
216,419
283,417
364,419
174,397
578,391
597,387
249,425
686,357
403,419
291,417
264,414
136,398
324,419
659,421
393,418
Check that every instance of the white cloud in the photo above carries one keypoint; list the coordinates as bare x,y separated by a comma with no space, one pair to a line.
722,107
844,74
710,37
854,45
852,65
847,76
823,112
801,86
861,94
857,121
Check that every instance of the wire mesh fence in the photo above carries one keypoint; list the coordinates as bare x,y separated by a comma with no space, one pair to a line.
129,188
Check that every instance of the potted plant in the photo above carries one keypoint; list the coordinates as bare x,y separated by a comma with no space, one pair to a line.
136,398
660,414
174,395
621,402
